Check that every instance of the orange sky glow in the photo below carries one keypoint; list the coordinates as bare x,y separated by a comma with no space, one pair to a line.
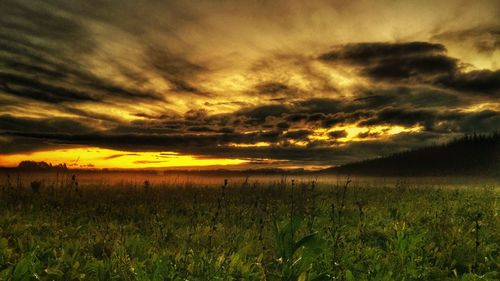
98,158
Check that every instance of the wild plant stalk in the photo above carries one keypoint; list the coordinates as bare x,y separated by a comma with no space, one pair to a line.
19,186
192,218
226,212
304,201
255,205
360,203
336,214
312,206
292,206
477,242
343,198
245,184
283,183
36,186
160,233
71,186
3,191
7,189
261,226
333,229
220,200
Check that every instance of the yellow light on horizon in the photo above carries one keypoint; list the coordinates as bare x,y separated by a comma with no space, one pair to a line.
257,144
482,106
94,157
353,131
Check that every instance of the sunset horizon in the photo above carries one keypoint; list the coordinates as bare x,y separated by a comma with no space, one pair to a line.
233,83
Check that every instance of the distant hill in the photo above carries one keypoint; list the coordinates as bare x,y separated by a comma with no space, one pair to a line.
470,155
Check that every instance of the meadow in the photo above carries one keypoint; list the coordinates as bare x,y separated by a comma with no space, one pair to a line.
282,228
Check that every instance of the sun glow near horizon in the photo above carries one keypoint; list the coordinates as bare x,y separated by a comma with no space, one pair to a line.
94,157
100,158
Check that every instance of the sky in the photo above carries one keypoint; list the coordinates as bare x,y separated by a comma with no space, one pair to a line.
248,83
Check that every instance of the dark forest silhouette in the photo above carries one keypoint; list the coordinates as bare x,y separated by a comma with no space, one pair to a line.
40,166
473,154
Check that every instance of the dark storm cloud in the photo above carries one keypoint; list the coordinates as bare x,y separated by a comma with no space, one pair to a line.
204,145
414,63
404,117
103,117
328,111
337,134
272,88
406,96
395,61
485,38
260,113
16,144
366,107
196,115
401,106
296,117
374,52
217,144
316,117
182,133
37,20
169,72
45,53
336,119
438,120
283,125
368,134
276,90
120,155
133,142
23,85
200,129
176,70
312,109
321,105
152,142
37,90
10,126
191,144
483,121
479,81
297,134
28,60
56,124
418,67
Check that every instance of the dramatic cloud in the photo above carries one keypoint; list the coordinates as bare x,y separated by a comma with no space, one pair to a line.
478,81
414,63
298,82
486,38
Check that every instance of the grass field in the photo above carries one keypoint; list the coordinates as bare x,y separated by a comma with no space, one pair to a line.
247,230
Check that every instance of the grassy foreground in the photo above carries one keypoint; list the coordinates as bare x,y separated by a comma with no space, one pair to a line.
248,231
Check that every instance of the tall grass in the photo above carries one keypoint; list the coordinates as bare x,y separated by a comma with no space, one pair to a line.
279,230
